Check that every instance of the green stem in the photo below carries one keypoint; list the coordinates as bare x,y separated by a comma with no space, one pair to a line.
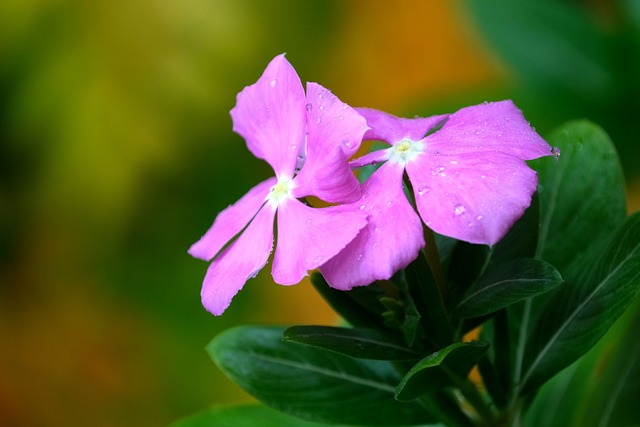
432,256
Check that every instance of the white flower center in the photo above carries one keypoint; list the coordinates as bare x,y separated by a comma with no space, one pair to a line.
405,151
281,191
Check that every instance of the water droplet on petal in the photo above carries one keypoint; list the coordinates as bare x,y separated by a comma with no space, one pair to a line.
555,151
423,189
390,203
318,260
318,120
321,107
362,206
309,107
359,257
479,217
273,82
459,209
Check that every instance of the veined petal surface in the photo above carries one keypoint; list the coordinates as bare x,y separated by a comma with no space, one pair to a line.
496,126
308,237
391,239
231,221
387,127
475,197
334,134
270,116
239,262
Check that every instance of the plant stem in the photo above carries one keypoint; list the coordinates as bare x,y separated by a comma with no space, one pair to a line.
430,252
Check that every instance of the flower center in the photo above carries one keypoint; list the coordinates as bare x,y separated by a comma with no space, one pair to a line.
281,191
405,151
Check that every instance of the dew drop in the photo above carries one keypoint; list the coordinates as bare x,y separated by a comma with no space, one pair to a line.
459,209
321,107
479,217
390,203
318,120
309,107
359,257
273,82
362,206
318,259
423,189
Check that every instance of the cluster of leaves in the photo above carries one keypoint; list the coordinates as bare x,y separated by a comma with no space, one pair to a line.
541,299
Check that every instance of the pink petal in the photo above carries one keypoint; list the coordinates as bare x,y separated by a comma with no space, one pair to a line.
334,133
239,262
497,126
392,238
371,158
270,116
231,221
472,197
308,237
392,129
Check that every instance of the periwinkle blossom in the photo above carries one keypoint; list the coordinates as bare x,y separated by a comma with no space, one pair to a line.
307,140
469,177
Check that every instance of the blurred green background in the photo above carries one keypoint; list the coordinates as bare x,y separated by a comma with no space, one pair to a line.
116,153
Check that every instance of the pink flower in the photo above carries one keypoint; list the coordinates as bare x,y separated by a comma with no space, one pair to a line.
307,140
469,178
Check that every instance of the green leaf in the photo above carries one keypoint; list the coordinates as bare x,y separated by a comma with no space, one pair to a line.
243,416
442,369
506,284
582,196
602,388
359,343
312,384
580,312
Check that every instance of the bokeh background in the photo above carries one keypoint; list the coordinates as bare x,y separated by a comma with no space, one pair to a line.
116,153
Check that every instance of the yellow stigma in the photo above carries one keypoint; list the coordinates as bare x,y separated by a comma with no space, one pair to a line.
280,191
405,151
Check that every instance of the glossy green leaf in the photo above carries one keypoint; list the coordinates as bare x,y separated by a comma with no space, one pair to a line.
581,311
310,383
506,284
359,343
442,369
243,416
582,196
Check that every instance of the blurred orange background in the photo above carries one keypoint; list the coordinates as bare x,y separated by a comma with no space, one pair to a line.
117,152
